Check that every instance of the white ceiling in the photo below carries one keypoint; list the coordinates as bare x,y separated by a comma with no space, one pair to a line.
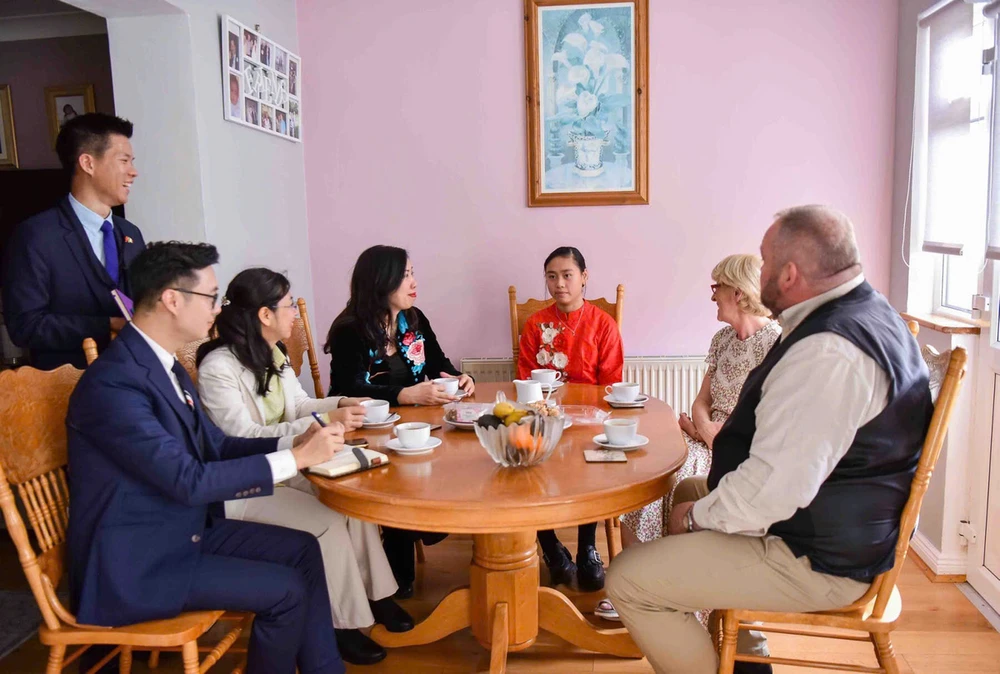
21,8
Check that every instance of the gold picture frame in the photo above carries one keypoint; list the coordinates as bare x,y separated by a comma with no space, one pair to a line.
8,139
63,102
586,73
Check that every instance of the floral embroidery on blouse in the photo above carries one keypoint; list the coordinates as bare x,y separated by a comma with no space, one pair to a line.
411,345
551,353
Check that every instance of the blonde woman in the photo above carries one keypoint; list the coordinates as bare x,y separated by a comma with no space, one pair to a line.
736,349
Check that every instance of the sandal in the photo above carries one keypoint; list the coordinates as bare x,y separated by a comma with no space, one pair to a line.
605,609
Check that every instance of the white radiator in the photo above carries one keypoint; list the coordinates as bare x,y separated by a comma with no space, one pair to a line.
674,380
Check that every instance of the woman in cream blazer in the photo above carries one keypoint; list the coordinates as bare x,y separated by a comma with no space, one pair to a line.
249,390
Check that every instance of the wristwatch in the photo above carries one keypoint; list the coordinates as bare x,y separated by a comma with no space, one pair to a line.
689,520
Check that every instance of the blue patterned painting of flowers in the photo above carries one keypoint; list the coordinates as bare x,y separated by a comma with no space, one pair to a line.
586,64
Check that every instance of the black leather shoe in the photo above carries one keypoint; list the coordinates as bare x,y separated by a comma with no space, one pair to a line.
752,668
405,591
589,570
562,570
391,615
358,649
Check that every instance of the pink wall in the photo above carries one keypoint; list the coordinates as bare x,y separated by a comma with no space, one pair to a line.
415,136
29,66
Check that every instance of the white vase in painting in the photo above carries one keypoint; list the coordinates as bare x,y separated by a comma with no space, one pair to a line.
587,152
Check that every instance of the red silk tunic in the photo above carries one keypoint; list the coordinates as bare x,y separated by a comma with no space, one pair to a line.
585,345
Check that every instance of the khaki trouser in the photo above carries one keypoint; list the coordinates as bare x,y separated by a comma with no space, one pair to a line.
657,586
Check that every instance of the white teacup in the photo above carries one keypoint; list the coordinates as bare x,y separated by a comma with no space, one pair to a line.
413,435
621,431
449,384
376,411
546,376
624,391
528,390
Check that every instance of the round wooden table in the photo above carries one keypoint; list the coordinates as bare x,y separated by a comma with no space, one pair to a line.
458,488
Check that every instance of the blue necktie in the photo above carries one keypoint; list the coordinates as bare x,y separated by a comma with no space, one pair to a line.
110,250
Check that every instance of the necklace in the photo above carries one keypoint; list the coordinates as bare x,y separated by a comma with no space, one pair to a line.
566,323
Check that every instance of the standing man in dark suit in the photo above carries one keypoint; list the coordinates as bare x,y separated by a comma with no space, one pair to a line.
62,264
148,472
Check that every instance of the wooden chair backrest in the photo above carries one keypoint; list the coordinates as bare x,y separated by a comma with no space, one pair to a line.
90,350
883,585
301,344
187,357
520,313
33,459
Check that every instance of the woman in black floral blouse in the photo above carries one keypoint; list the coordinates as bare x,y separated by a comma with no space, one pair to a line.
383,347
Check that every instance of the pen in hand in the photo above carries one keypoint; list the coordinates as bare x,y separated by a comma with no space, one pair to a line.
359,453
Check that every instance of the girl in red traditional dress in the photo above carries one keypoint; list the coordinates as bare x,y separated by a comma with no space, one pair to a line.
584,345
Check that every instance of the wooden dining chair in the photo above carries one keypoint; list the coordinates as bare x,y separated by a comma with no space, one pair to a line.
877,612
33,461
301,344
519,314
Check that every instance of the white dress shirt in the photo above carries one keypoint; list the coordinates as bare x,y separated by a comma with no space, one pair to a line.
812,403
282,461
92,223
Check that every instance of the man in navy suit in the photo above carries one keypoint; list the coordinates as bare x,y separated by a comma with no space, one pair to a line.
148,472
62,264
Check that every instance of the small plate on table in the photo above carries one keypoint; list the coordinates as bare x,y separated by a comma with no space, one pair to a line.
639,402
639,441
397,447
389,421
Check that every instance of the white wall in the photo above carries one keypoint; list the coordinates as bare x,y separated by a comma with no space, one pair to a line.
203,178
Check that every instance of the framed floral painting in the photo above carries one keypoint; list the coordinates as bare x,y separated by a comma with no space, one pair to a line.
586,66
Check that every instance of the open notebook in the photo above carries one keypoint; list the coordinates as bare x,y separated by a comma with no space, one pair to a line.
346,462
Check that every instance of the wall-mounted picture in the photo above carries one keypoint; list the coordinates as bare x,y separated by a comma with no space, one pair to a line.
235,108
293,76
66,102
587,96
293,119
250,48
234,46
252,114
260,86
8,141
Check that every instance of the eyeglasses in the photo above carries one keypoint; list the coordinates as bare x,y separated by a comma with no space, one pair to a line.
294,306
715,287
214,298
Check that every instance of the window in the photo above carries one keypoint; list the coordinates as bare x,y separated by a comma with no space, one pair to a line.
951,149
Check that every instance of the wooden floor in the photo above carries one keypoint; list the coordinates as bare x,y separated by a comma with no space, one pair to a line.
940,631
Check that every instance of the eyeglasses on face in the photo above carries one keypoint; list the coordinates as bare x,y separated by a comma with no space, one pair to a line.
294,306
214,298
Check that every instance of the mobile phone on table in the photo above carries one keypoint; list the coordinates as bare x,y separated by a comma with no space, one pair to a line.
357,442
358,454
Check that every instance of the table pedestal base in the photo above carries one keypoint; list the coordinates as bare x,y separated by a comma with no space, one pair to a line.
505,607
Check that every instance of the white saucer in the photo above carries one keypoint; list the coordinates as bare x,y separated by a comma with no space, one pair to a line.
640,401
389,421
640,441
462,393
553,387
567,422
464,425
395,446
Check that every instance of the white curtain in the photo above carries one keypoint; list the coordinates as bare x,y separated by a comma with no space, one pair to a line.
944,180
